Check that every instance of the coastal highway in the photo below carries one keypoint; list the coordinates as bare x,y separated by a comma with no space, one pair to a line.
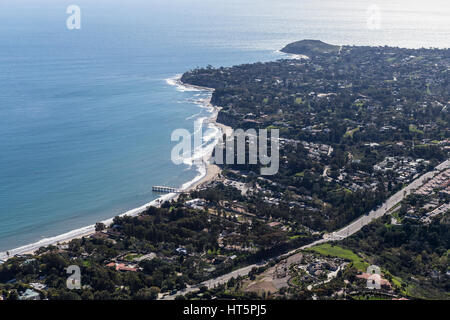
341,234
213,282
356,225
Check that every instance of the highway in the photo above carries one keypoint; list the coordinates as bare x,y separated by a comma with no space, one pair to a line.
387,206
341,234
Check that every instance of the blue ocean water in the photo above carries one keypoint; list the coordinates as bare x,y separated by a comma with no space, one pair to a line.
86,115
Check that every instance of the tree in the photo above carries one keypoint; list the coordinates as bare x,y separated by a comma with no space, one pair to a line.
148,293
99,226
13,295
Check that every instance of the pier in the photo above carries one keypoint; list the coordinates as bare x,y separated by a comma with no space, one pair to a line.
163,189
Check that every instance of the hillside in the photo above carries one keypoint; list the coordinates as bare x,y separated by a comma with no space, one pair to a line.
310,48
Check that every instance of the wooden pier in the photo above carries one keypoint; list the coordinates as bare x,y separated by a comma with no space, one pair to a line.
163,189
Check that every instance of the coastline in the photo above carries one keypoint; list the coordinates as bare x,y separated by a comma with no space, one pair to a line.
293,55
78,233
211,171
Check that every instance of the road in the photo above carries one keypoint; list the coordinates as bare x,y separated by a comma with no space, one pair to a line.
213,282
341,234
356,225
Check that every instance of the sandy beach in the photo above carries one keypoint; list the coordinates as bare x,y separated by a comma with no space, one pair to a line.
78,233
211,172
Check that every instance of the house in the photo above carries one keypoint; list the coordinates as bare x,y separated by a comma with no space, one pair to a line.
29,261
113,232
273,224
64,246
195,204
30,295
38,286
100,235
182,251
122,267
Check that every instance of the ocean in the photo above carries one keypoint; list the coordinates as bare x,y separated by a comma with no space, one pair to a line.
86,115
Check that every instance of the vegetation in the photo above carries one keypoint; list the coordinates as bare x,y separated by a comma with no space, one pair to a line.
310,47
337,251
356,124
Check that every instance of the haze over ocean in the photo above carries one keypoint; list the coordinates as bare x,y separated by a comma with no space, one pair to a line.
86,115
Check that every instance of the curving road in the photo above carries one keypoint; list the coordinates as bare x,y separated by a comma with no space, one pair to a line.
341,234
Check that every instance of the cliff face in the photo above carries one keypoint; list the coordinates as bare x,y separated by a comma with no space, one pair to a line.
310,48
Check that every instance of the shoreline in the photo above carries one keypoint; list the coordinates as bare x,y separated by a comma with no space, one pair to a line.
211,172
293,56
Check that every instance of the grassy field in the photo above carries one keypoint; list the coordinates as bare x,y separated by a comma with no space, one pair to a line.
327,249
298,101
132,256
300,174
413,129
350,133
